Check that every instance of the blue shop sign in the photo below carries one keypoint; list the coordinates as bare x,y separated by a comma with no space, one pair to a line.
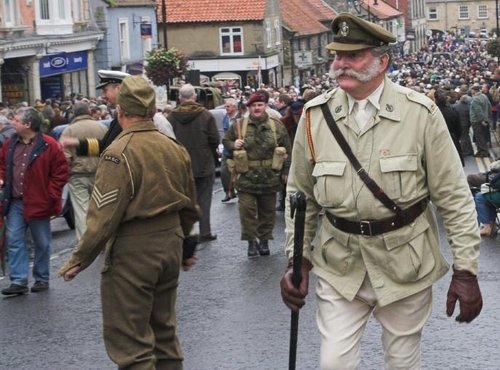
62,62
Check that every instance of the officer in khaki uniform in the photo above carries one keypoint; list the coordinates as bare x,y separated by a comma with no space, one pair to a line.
143,234
265,143
369,258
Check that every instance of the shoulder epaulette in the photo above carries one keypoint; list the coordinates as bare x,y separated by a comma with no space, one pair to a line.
320,99
422,100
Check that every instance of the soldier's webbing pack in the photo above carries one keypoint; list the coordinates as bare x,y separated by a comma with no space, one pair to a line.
241,162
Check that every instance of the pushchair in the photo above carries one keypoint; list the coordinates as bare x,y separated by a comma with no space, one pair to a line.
487,199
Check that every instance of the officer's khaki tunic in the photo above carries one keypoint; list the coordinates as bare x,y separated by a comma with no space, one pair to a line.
408,151
143,203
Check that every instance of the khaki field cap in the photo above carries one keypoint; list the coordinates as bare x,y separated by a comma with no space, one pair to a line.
352,33
137,96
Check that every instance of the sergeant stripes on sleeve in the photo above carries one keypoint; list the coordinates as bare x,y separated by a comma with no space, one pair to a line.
103,199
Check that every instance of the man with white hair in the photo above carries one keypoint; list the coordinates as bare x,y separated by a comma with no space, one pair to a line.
195,128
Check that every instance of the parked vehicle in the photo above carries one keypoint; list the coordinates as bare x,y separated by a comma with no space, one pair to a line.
209,97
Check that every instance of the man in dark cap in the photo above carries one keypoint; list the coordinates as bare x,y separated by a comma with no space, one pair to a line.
110,84
377,249
142,235
262,138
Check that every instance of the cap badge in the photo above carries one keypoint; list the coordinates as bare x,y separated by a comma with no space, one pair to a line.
344,29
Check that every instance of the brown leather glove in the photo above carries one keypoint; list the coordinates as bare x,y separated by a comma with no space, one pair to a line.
464,288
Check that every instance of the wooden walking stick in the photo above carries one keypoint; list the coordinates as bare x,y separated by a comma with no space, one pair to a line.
298,210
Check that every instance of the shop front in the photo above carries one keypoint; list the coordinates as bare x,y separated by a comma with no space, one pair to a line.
14,82
64,74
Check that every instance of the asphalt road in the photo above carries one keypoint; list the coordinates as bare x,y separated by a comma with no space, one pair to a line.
230,314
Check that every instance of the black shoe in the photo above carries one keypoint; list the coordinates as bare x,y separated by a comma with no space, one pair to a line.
15,289
226,199
207,238
264,248
39,286
252,249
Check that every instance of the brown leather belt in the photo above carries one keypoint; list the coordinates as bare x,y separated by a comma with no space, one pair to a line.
377,227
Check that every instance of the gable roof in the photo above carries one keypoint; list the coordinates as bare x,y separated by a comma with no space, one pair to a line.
187,11
305,16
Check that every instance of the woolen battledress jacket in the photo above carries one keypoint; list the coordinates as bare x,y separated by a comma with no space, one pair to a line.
260,142
142,175
195,128
408,151
45,177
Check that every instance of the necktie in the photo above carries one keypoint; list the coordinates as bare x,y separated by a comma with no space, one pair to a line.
360,113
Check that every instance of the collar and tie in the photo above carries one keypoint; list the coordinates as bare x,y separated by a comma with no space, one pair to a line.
361,113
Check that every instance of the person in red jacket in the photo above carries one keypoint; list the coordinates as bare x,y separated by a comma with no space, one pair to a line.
33,172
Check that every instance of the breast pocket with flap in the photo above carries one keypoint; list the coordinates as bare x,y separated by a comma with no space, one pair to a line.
399,174
330,188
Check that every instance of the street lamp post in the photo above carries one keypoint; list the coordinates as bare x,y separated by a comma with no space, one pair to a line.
496,3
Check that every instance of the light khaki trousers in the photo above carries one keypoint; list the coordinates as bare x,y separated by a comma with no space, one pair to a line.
342,322
80,190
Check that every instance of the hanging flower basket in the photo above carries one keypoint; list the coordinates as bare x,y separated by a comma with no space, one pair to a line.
165,64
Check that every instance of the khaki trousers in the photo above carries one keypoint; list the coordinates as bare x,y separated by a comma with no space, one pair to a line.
80,190
138,293
257,215
342,322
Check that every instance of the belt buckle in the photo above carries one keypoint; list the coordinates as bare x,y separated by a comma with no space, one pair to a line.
365,224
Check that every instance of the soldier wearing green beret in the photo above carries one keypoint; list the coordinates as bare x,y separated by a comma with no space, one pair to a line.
142,235
377,247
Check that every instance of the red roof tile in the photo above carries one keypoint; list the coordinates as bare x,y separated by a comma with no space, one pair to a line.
305,16
185,11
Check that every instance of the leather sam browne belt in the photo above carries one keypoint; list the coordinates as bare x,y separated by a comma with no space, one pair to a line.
377,227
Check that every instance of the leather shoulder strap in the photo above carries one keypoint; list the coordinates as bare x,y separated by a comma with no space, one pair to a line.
377,191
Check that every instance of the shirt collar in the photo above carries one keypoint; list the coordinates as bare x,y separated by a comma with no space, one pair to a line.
373,98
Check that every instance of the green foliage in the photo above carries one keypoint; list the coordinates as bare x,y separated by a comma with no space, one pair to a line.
165,64
111,3
493,47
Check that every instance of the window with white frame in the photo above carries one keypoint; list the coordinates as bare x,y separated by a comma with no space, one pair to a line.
124,39
463,12
432,14
53,17
44,9
11,17
269,33
79,11
231,40
277,31
482,11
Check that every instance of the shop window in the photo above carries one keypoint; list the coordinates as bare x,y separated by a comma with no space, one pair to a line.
231,39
